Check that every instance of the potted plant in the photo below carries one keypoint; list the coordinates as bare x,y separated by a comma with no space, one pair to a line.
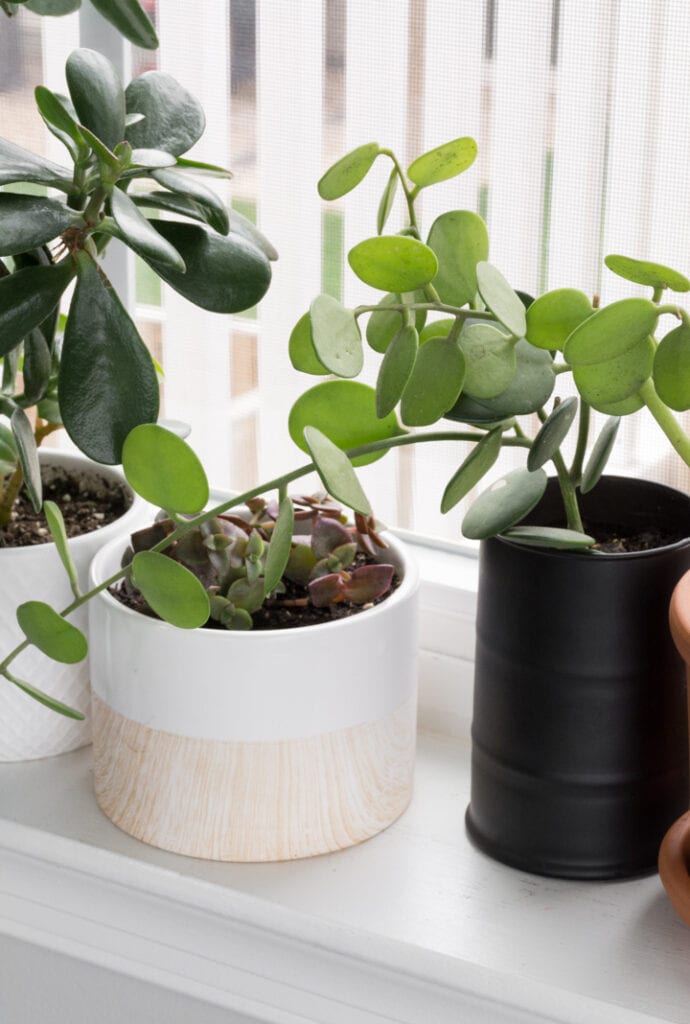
579,734
91,372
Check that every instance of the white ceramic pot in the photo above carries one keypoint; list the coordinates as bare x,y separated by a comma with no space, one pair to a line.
256,746
29,730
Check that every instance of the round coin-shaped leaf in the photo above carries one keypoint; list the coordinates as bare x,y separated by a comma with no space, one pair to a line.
96,92
173,119
500,298
554,316
672,368
393,263
164,470
53,635
611,331
301,349
552,433
344,175
475,466
604,384
27,222
529,389
489,360
173,592
504,504
336,337
460,240
435,382
395,370
655,275
443,162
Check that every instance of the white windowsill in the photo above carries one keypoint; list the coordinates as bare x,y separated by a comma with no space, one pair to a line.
412,926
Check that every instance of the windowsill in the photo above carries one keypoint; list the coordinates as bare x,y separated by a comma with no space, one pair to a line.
411,926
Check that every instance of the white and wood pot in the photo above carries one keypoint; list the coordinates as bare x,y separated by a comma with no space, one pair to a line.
254,746
27,729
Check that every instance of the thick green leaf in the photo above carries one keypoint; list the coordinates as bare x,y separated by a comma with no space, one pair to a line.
490,361
599,456
59,119
443,162
130,20
186,185
395,370
624,408
393,263
460,240
655,275
53,7
437,329
504,504
45,698
384,323
529,389
336,337
604,384
611,331
27,297
36,369
164,470
56,525
242,226
345,411
173,592
387,200
27,222
550,537
553,432
151,158
25,443
225,274
203,168
173,118
553,317
171,203
53,635
344,175
107,381
672,368
279,546
8,449
475,466
336,472
140,235
17,164
301,349
108,163
96,92
500,298
434,384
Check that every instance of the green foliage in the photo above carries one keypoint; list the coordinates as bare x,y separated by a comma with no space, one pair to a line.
127,16
51,633
164,470
504,504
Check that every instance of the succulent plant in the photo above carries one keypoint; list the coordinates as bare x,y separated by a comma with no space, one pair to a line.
129,180
128,16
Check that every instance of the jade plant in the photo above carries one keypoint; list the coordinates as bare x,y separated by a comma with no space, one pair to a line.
459,343
128,179
128,16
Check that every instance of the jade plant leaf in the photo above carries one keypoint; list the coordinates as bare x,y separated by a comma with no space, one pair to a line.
27,297
140,235
58,119
301,349
103,357
500,298
599,456
56,525
504,504
611,331
53,635
474,467
280,546
336,337
173,119
53,7
164,470
395,370
529,389
672,368
549,537
552,433
393,263
604,384
153,159
336,472
443,162
17,164
347,173
96,92
460,240
344,410
490,361
435,382
25,443
241,225
184,184
130,19
173,591
553,317
656,275
387,200
36,368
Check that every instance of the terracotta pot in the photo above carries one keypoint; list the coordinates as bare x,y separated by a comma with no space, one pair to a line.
255,746
27,729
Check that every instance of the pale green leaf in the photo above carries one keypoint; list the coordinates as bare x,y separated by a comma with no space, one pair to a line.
553,317
172,591
54,636
474,467
164,470
336,472
500,298
347,173
611,331
443,162
504,504
336,337
393,263
552,433
435,382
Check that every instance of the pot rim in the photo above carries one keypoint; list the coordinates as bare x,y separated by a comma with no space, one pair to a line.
408,586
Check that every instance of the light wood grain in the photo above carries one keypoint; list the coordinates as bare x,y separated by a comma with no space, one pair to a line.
261,801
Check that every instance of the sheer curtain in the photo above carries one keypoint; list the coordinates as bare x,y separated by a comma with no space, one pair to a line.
579,109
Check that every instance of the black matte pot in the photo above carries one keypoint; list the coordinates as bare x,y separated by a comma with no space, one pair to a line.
580,736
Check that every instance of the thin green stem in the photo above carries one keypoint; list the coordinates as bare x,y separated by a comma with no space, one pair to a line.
666,420
438,307
568,493
409,195
581,445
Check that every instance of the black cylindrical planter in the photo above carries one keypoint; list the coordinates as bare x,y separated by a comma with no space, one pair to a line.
579,735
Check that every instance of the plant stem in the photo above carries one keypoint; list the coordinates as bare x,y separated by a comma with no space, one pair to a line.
409,197
581,446
438,307
666,420
568,493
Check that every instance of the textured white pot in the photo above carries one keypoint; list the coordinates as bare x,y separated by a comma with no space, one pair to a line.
27,729
254,746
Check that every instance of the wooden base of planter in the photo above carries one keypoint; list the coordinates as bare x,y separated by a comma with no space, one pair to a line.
253,801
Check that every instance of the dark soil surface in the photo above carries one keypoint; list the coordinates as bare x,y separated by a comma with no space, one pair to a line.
620,541
87,503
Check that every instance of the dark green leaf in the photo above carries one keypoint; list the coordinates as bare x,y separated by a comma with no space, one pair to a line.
200,167
500,298
242,226
139,233
387,200
553,317
54,7
672,368
446,161
655,275
490,361
109,164
96,91
475,466
301,349
336,337
279,546
30,221
393,263
173,592
37,367
604,384
344,175
53,635
171,203
460,240
27,297
59,119
529,389
553,432
107,379
395,370
17,164
434,384
152,158
504,504
130,20
184,184
27,452
336,472
611,331
599,456
549,537
174,119
56,525
164,470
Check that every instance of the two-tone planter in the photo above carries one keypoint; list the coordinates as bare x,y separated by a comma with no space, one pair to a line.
255,746
27,729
